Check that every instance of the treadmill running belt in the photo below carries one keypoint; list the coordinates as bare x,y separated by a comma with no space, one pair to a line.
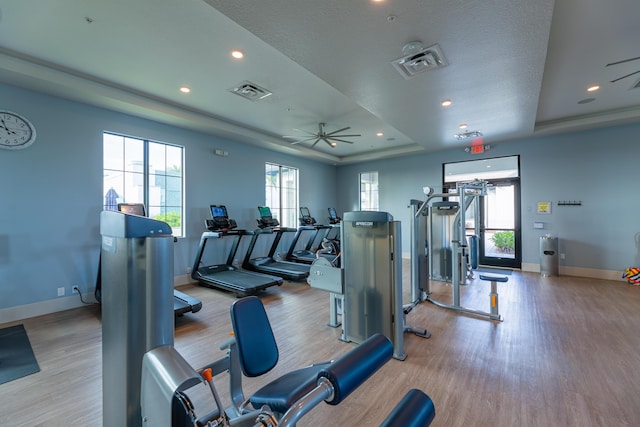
241,282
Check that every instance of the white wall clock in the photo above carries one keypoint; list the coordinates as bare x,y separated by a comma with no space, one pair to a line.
16,132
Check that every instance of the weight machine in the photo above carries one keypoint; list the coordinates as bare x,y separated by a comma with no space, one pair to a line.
442,243
368,284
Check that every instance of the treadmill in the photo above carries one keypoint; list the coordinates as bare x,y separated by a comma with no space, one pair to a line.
182,303
307,223
226,276
287,270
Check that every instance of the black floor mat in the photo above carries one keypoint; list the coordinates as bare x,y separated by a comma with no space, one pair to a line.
16,356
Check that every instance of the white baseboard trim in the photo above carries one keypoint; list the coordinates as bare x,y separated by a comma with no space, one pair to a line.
20,312
591,273
531,268
26,311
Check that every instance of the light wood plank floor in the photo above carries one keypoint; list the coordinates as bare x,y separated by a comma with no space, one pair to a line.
567,354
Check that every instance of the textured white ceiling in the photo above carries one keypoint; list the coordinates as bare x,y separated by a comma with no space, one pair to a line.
515,68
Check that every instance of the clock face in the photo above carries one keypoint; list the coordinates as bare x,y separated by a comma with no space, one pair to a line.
16,132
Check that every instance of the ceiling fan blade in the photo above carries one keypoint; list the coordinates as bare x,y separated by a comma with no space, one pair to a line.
307,132
339,130
624,77
345,136
329,142
299,138
623,61
314,144
341,140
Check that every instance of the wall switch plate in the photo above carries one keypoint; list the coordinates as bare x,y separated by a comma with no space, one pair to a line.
60,292
539,225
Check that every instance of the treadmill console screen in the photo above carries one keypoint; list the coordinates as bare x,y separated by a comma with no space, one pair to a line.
132,208
305,217
266,219
333,216
265,212
220,219
219,211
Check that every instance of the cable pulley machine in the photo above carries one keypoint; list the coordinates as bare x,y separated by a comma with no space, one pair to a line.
447,251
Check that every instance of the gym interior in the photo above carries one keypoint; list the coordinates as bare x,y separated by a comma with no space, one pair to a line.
563,352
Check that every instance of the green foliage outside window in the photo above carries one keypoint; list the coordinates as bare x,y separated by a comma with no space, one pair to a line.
171,218
504,241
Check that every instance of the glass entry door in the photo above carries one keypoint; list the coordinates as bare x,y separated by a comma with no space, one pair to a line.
498,212
499,240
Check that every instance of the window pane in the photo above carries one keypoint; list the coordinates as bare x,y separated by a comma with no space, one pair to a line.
139,171
369,191
113,189
500,167
174,160
281,193
133,155
133,189
113,152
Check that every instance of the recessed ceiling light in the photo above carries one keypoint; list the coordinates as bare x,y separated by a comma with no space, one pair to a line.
379,134
593,88
238,54
463,126
446,102
185,89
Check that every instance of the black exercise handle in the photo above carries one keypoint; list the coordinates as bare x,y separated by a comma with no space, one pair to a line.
353,368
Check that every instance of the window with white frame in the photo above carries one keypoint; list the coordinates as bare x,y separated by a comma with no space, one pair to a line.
369,191
137,170
281,188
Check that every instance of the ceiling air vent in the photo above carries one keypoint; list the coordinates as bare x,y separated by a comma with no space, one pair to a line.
250,91
418,60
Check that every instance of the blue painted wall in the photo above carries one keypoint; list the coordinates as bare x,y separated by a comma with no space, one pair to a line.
52,192
598,167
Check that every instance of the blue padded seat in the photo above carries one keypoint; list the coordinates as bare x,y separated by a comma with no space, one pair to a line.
258,353
502,279
416,409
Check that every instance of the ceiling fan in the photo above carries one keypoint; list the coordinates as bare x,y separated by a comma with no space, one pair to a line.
331,138
622,62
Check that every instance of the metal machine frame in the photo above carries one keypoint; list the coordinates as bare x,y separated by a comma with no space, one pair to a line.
368,286
467,192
